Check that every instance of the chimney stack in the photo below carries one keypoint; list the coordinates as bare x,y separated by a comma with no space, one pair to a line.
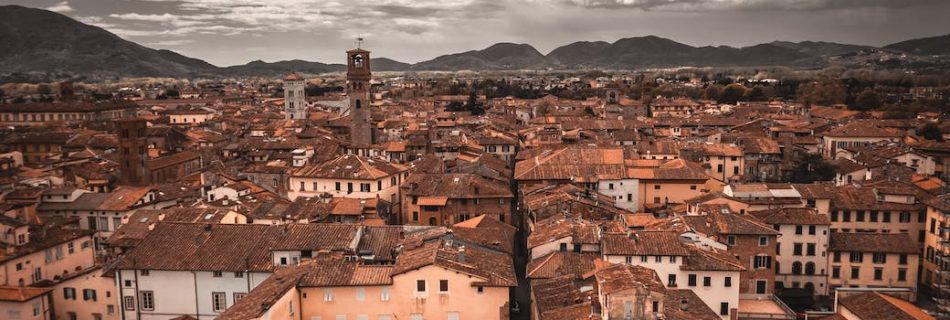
461,254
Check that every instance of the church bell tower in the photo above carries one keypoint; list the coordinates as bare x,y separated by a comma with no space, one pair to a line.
358,76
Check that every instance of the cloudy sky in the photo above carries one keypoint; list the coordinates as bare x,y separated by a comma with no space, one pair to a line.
229,32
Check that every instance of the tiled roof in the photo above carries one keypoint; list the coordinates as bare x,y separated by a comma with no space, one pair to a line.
559,263
872,242
21,294
799,216
878,306
621,277
494,268
581,232
684,304
350,167
644,243
456,186
224,247
561,298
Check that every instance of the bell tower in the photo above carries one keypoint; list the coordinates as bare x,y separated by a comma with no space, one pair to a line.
358,76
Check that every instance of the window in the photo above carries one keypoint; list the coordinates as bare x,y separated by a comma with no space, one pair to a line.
70,248
762,262
69,293
724,308
810,250
238,296
349,187
420,286
727,282
834,216
658,259
879,257
364,187
835,272
656,187
337,186
671,280
217,274
903,259
147,300
691,280
901,274
384,294
239,274
798,229
837,257
905,217
731,240
811,229
797,249
878,273
763,241
360,294
129,303
643,259
88,294
218,301
855,272
327,294
143,273
480,289
707,281
857,257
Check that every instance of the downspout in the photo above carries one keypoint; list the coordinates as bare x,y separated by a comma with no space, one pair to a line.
195,277
138,311
121,293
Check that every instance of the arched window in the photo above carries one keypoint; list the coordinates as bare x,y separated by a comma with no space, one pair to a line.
810,268
359,104
810,287
796,267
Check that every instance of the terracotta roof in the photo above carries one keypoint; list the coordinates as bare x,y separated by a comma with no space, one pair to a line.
21,294
863,129
561,298
455,186
796,216
173,159
495,269
872,242
878,306
230,247
620,277
579,164
560,263
350,167
644,243
580,231
684,304
123,198
716,223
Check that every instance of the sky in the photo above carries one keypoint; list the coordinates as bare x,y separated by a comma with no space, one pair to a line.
232,32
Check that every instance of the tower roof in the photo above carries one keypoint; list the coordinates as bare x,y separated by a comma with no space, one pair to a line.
293,77
357,50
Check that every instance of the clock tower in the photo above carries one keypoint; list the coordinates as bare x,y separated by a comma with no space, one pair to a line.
358,76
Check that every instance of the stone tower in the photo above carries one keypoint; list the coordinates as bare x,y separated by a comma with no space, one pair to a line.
295,100
133,151
358,76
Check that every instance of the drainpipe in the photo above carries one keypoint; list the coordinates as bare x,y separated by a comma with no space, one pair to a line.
195,276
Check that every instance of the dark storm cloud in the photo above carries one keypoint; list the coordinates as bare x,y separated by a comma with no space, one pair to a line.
688,5
227,32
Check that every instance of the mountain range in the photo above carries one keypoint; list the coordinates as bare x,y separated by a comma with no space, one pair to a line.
41,42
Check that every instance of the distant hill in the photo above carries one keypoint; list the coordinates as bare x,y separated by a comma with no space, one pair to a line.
40,41
40,44
653,51
939,45
501,56
821,48
578,53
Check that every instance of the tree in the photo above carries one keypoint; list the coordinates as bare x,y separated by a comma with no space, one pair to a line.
473,106
732,93
931,131
812,168
712,92
824,92
867,100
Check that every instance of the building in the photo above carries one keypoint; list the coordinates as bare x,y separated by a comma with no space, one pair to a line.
349,176
801,250
18,302
133,152
89,294
873,260
449,198
358,76
40,113
295,98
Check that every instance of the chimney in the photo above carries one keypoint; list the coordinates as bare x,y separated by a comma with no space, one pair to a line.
461,254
